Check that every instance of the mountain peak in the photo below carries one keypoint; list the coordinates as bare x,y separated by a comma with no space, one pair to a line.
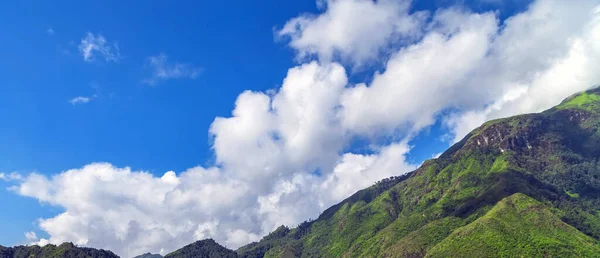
588,100
149,255
206,248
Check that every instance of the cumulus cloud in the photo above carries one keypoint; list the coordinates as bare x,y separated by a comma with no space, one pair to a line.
133,212
355,30
282,156
162,69
359,171
295,129
95,45
424,78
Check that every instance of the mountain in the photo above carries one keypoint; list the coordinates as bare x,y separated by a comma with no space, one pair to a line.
65,250
149,255
527,186
203,249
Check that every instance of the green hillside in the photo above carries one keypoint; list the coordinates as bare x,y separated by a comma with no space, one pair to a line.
552,157
517,226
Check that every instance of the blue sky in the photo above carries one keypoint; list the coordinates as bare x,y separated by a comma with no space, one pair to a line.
232,47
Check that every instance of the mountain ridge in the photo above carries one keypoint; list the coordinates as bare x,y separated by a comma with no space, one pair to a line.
64,250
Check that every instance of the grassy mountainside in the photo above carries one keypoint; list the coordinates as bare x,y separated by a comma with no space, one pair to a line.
551,158
66,250
517,226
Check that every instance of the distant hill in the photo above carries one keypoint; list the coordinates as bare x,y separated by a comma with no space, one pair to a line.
203,249
149,255
65,250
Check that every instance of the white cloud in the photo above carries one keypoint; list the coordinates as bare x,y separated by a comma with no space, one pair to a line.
422,79
355,171
14,176
80,100
540,57
162,69
92,46
133,212
356,30
296,129
50,31
281,156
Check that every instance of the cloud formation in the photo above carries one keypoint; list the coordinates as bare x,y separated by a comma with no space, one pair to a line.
95,45
162,69
355,30
281,157
80,100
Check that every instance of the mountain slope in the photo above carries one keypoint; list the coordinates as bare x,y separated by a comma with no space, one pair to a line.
65,250
517,226
552,157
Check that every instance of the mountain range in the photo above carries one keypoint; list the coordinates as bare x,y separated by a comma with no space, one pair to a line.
523,186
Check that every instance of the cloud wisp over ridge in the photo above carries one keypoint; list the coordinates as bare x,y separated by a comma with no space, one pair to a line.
470,64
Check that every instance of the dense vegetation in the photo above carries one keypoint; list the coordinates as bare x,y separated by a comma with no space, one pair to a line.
517,226
66,250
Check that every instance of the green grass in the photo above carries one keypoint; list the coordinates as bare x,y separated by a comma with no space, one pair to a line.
518,226
585,101
500,164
